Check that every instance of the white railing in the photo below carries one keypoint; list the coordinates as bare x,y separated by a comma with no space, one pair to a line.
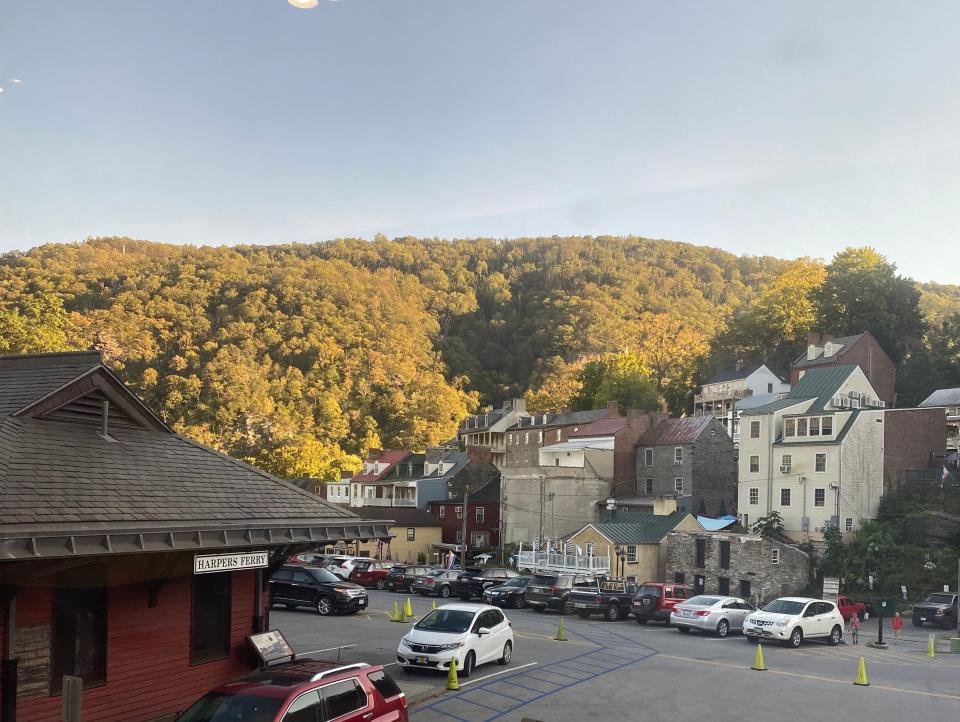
404,502
543,561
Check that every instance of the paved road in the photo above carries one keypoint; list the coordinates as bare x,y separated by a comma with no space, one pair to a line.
625,671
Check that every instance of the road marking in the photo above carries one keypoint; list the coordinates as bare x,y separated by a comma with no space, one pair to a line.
497,674
553,639
814,677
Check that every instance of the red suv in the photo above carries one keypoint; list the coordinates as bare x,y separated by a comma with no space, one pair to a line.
655,600
370,573
304,691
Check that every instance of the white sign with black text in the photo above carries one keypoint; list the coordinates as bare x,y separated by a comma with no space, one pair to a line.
205,564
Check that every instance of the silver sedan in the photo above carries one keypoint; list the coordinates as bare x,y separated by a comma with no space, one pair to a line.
711,613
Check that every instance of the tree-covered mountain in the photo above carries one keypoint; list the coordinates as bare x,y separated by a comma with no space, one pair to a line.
300,357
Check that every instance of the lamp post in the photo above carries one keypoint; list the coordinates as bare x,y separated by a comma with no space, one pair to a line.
621,559
875,551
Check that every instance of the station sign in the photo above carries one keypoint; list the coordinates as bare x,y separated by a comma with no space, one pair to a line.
208,563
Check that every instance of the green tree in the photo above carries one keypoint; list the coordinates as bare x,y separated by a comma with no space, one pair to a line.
770,526
615,377
36,324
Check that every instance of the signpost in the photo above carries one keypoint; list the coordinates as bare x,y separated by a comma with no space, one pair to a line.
209,563
831,588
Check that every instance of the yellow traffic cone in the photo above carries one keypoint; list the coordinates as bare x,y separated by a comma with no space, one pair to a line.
396,614
931,646
452,681
407,608
434,606
862,680
560,635
758,660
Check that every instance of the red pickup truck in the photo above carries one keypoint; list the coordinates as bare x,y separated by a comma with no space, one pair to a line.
848,608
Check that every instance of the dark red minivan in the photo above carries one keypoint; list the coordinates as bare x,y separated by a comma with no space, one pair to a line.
305,691
370,573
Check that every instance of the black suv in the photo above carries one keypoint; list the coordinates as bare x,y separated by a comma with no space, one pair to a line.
552,591
473,581
401,578
938,608
298,586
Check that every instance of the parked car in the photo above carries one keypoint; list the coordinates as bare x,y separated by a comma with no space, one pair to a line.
473,634
610,597
552,591
402,577
473,580
848,608
793,619
939,608
296,586
370,573
343,565
710,613
656,600
304,691
512,593
438,581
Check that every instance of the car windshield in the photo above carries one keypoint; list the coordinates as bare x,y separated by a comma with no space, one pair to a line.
543,580
221,707
322,575
648,589
702,601
784,606
446,620
516,582
940,599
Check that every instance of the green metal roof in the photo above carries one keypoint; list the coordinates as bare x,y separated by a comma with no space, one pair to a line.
819,384
784,403
639,527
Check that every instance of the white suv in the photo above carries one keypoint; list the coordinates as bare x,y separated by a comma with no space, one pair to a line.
793,619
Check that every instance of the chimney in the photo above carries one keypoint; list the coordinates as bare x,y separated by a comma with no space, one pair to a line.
374,454
613,409
519,406
813,339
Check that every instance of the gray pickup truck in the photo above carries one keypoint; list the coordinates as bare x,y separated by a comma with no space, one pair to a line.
609,597
939,608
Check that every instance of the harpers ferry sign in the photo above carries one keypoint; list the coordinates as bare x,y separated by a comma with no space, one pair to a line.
204,564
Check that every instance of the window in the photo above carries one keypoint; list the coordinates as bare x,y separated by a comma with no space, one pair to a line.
699,584
459,536
754,429
305,708
540,437
701,553
819,497
754,496
384,684
411,533
724,556
786,460
790,427
678,578
631,554
343,697
210,622
801,427
479,539
826,426
723,586
770,388
815,426
775,556
821,462
678,455
848,523
745,520
443,511
648,457
558,434
678,484
479,514
459,511
784,497
648,486
754,464
80,635
745,588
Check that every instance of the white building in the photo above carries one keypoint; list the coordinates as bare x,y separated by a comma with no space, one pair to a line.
815,456
719,395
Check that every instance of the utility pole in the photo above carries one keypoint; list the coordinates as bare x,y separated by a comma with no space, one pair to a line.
466,501
541,509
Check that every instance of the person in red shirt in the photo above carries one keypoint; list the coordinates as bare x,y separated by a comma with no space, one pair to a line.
855,628
896,624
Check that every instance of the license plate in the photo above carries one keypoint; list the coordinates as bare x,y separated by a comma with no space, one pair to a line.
422,660
362,602
580,605
686,613
923,619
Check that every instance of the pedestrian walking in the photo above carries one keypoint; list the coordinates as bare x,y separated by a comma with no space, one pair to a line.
896,624
855,628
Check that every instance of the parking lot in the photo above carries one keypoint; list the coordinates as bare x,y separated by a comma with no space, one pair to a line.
651,672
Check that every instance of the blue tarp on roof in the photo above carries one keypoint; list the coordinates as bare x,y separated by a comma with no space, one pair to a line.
716,524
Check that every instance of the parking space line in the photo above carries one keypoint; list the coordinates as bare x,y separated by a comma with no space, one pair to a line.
553,639
497,674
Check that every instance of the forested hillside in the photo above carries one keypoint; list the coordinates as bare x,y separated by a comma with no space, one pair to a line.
301,357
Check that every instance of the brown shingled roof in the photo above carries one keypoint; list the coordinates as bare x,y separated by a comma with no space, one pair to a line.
675,431
602,427
391,458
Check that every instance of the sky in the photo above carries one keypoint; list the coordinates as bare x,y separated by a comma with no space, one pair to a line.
767,128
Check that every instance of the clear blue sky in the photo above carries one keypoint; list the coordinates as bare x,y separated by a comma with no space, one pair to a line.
760,127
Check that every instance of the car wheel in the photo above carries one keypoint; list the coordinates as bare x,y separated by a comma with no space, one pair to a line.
612,614
468,664
325,606
519,602
917,622
583,613
444,592
507,654
379,584
685,630
538,608
641,620
723,628
796,637
835,634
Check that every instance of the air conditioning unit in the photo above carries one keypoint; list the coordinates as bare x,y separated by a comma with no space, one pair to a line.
805,523
881,404
784,468
838,400
844,403
678,462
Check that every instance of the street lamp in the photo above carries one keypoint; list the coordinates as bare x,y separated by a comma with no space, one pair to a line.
621,557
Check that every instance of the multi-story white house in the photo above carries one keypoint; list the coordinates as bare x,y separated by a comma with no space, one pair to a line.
719,395
815,456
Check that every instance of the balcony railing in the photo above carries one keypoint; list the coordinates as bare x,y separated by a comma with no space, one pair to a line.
404,502
570,563
708,396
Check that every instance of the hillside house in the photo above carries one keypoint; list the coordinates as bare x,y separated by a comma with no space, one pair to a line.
484,435
861,350
719,395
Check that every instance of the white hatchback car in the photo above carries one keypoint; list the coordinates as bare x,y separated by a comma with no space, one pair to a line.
793,619
472,633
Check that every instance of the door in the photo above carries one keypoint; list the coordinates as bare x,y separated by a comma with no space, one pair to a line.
487,644
812,621
301,588
280,585
344,698
733,613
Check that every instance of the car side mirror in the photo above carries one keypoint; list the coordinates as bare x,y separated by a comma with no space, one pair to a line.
482,631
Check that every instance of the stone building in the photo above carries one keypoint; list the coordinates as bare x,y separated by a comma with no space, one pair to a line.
740,565
530,434
692,459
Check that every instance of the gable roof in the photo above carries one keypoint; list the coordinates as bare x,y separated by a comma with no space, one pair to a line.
67,490
942,397
732,374
639,527
602,427
845,342
817,384
675,431
390,458
27,378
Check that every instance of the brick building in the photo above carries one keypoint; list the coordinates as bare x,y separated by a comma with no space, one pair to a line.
740,565
860,350
483,516
911,438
